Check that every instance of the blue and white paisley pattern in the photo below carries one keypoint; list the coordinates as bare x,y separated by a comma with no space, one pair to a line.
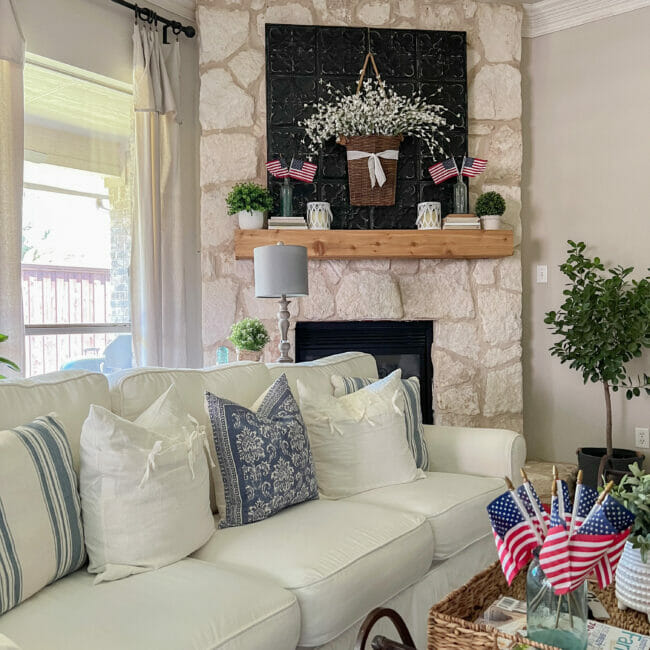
49,451
412,412
264,456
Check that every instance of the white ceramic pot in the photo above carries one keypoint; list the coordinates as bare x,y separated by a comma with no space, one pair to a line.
491,222
633,581
251,219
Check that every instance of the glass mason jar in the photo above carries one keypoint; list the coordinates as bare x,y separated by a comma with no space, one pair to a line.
460,197
559,621
286,198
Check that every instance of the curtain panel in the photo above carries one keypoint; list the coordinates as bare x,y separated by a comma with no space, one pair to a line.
12,58
158,264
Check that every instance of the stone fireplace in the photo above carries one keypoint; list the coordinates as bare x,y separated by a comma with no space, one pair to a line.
475,304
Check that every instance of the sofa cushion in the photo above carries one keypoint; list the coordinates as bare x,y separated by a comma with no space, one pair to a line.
454,505
189,605
340,559
68,393
41,538
317,374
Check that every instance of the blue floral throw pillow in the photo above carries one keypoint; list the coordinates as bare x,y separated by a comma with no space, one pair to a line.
264,456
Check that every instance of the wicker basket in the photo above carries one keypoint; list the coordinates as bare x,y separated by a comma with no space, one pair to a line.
361,190
451,621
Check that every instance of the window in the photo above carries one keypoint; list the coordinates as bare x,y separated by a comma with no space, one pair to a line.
76,220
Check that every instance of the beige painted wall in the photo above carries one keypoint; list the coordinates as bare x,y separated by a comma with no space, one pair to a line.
95,35
586,103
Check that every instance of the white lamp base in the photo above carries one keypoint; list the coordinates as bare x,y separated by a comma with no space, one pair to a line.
283,323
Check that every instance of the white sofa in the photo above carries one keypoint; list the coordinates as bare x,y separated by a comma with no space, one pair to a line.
303,578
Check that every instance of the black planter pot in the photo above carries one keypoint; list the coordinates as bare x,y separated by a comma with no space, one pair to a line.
589,461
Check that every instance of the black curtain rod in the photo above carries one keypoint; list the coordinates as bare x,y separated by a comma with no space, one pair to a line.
150,16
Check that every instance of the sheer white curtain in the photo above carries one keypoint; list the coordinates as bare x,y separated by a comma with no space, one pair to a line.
157,255
12,57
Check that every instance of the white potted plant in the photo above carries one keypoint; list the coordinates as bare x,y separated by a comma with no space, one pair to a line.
249,337
633,572
249,202
489,207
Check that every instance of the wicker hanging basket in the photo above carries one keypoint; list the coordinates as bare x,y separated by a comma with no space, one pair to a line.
367,187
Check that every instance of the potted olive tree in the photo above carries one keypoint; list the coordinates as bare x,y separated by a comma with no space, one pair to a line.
249,337
490,206
603,324
249,201
633,571
7,362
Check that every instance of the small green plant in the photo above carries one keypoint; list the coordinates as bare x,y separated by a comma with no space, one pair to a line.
603,324
490,203
249,334
249,197
634,493
7,362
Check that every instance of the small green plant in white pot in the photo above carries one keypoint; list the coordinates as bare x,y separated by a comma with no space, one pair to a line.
249,201
489,207
249,337
633,571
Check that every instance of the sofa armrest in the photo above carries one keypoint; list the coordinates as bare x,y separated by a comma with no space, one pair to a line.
466,450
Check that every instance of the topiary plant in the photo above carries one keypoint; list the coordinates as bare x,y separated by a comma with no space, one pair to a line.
603,324
490,203
249,334
249,197
634,493
7,362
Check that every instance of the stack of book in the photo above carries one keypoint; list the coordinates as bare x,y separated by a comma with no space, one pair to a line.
287,223
461,222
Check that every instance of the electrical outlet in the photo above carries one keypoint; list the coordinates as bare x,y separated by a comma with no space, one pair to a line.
542,274
642,438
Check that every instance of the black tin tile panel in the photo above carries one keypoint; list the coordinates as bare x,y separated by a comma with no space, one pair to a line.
298,56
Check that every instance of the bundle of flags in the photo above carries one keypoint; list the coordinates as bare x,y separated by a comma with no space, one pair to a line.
471,168
575,541
300,170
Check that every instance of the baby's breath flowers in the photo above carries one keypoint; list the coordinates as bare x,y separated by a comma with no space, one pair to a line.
376,110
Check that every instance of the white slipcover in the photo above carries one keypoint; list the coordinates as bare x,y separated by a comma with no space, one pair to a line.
340,559
189,605
68,393
453,504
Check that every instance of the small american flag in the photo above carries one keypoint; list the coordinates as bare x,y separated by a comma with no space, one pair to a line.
564,500
554,556
443,170
277,168
532,511
473,166
302,170
514,538
585,500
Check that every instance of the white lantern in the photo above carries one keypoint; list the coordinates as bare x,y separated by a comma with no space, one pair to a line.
429,215
319,215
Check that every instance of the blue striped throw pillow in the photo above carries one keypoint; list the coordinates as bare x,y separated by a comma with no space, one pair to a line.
41,537
412,411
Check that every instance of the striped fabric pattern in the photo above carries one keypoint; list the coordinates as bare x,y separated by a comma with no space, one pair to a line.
38,500
412,412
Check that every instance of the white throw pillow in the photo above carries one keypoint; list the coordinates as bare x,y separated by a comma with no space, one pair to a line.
358,441
145,494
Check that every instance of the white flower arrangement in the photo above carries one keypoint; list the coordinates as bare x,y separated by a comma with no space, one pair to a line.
376,110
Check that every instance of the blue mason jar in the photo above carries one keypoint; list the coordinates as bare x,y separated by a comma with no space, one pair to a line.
559,621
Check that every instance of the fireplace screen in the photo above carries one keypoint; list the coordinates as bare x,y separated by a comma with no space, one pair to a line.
394,344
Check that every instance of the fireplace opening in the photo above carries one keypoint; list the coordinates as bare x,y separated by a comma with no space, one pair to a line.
394,344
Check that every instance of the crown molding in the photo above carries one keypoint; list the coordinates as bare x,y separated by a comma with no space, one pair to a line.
549,16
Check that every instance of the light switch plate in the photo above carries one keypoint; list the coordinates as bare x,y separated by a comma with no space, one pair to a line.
542,274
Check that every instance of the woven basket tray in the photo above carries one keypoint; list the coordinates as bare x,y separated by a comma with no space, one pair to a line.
361,190
451,621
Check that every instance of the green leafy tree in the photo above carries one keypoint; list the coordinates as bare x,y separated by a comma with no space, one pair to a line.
249,197
634,493
602,325
249,334
7,362
490,203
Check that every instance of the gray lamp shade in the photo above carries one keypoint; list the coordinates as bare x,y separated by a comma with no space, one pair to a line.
280,270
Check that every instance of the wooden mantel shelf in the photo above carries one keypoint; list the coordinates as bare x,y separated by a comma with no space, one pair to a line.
378,244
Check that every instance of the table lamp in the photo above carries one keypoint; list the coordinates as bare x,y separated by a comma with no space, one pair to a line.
281,272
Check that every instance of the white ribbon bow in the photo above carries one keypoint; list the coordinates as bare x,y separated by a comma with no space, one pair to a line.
375,169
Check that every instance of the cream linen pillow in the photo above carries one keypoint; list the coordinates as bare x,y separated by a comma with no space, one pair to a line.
145,490
358,440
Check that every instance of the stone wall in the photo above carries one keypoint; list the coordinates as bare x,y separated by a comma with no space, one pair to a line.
476,305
